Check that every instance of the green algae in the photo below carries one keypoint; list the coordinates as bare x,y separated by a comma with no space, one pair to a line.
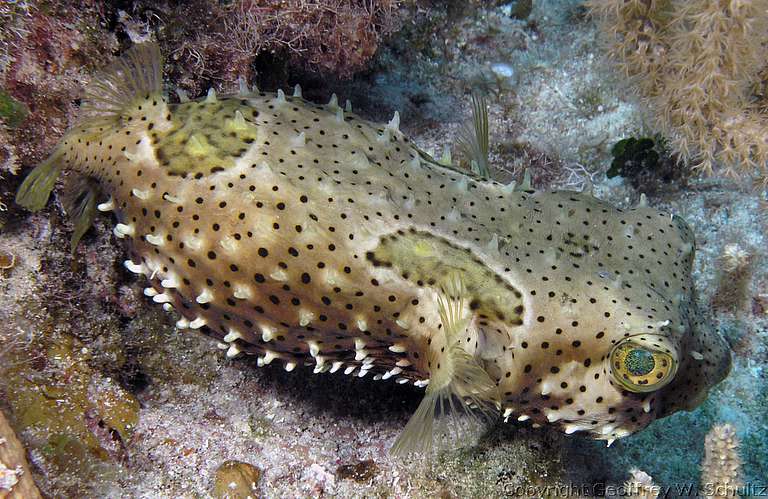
522,9
633,154
12,111
260,426
74,417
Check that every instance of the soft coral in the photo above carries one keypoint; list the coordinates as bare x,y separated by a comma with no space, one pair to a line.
698,63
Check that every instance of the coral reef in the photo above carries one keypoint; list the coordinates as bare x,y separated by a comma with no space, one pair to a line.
701,67
229,40
721,474
49,50
553,109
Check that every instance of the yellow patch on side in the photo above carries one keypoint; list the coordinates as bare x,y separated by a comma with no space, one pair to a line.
206,137
425,259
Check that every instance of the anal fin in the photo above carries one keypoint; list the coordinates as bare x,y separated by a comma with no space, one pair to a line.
79,199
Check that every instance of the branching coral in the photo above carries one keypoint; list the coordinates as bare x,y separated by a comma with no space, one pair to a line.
721,474
721,469
701,66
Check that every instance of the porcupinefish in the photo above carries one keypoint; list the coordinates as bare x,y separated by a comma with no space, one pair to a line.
305,235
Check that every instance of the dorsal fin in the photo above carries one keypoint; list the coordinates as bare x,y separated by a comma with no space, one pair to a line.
473,139
137,74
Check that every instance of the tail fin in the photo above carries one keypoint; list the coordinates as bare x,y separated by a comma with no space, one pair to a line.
34,192
137,74
458,384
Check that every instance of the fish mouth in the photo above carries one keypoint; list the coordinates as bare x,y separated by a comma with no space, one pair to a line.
613,431
610,429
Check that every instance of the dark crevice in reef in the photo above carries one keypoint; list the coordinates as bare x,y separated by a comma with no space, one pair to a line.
131,375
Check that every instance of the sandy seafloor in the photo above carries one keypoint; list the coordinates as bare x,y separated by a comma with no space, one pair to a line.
197,409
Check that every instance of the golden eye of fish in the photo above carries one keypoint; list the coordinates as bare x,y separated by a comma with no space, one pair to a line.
642,367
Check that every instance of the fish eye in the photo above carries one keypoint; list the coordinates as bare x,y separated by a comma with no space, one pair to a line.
642,365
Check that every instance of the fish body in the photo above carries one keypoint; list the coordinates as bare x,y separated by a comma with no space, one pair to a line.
306,235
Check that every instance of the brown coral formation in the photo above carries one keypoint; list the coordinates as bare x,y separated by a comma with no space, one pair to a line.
15,479
701,66
216,42
336,36
721,469
236,480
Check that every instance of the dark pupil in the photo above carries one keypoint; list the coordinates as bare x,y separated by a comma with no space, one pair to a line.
639,362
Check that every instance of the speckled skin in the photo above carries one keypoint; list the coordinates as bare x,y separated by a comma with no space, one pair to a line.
305,235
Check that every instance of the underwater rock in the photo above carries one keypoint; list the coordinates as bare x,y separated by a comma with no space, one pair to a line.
221,41
7,259
640,485
50,50
360,472
77,417
236,480
15,478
